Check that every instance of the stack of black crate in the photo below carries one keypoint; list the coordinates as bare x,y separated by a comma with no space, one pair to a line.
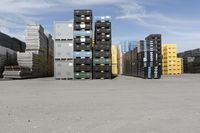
156,39
191,61
102,61
148,63
83,44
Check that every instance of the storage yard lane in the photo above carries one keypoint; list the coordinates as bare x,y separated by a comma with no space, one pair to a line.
122,105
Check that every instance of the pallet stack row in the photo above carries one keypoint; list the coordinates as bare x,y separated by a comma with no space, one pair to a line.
191,61
145,60
36,47
83,44
102,61
50,56
63,51
130,61
35,58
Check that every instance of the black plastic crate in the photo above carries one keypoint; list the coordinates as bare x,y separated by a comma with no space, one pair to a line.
86,27
149,72
85,19
99,42
103,40
86,40
147,64
99,54
102,75
80,68
149,56
86,61
105,37
100,68
102,47
102,24
103,30
86,12
81,47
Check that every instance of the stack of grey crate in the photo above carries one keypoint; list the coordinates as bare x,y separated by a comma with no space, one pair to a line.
36,54
63,50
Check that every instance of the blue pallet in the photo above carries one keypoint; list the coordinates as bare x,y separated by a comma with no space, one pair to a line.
82,33
83,54
103,18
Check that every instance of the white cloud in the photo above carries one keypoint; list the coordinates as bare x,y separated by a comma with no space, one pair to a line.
15,14
184,32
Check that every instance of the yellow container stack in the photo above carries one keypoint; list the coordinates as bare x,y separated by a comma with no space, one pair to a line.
171,65
114,60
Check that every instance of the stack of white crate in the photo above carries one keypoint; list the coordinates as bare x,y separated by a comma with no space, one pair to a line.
30,60
35,56
63,50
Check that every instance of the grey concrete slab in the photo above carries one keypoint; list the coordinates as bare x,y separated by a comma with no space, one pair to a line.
122,105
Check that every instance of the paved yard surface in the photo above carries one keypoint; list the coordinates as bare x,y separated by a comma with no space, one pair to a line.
122,105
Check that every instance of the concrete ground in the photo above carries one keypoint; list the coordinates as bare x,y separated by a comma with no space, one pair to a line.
122,105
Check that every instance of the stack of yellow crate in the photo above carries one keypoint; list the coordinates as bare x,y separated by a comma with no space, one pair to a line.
114,60
171,65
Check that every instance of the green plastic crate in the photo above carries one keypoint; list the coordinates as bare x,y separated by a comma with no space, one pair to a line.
101,61
83,75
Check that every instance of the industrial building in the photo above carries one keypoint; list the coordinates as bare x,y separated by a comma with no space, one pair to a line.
171,65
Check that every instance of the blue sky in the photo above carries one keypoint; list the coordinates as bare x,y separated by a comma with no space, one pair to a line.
178,21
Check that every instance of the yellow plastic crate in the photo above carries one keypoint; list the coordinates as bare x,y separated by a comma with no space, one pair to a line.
115,69
114,54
